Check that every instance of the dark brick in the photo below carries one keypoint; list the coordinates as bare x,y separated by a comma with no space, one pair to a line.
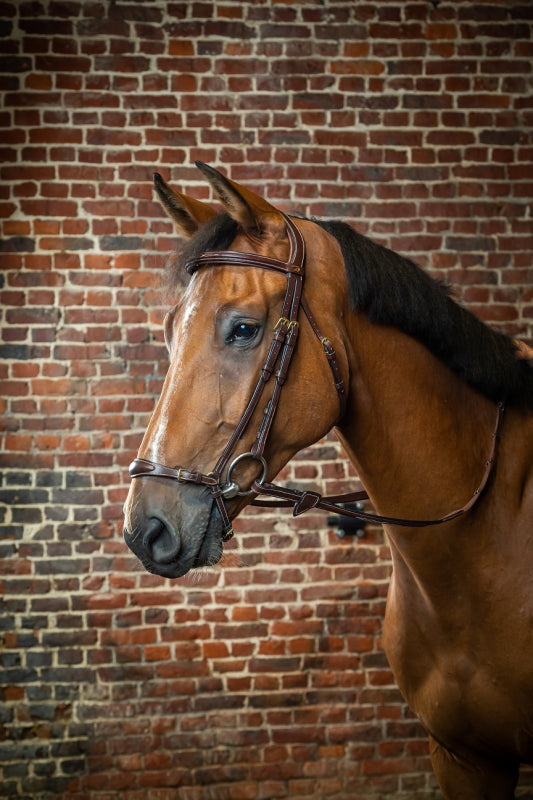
52,478
42,711
28,752
15,770
64,566
10,659
103,27
65,692
35,785
73,766
83,497
30,515
16,676
44,768
38,694
6,714
17,478
122,243
34,622
12,64
81,729
50,604
17,244
24,497
65,638
68,675
229,30
78,479
39,659
10,789
337,33
26,640
470,243
327,100
73,747
504,138
134,11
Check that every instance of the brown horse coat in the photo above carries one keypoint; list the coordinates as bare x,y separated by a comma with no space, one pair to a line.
422,381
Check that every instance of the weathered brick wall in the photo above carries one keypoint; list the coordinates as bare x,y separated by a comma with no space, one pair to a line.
264,678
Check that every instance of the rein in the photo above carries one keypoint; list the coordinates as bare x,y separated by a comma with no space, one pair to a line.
280,353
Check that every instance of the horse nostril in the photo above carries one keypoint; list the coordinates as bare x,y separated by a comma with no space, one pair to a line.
161,544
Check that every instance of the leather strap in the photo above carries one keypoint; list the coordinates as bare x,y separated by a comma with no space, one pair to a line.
303,501
222,258
141,467
329,352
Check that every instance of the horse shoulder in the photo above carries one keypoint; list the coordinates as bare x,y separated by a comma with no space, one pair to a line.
465,683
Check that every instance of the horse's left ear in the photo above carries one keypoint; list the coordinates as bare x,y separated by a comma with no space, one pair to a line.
246,207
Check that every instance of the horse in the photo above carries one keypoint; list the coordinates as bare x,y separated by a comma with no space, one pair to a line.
287,328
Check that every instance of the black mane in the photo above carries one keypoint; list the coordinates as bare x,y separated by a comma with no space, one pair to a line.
394,291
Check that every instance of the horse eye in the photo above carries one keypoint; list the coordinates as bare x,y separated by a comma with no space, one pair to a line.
243,332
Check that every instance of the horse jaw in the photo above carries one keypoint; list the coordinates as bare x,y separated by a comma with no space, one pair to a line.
172,529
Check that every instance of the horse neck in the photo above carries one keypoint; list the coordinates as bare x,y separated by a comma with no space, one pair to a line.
417,435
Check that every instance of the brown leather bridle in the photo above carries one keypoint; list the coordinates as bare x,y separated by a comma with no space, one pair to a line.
279,355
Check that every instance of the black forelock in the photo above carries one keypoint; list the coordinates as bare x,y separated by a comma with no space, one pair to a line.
217,234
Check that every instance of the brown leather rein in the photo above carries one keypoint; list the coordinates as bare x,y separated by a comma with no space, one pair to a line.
280,354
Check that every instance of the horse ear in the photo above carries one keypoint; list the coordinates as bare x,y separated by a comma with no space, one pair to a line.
186,212
246,207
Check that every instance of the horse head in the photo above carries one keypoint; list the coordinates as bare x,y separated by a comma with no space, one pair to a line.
222,421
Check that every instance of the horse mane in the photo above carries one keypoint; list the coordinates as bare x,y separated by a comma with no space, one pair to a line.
393,290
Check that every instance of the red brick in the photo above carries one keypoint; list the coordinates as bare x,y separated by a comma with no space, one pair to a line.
374,120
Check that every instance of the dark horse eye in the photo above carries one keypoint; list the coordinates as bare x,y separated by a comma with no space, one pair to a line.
243,332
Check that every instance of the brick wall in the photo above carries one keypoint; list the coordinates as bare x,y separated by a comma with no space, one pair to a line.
264,678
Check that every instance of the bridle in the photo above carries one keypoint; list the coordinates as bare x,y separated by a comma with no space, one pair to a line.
277,364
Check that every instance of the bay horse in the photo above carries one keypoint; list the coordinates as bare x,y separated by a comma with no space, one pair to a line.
287,328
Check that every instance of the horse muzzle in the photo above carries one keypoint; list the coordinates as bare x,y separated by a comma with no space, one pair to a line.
172,531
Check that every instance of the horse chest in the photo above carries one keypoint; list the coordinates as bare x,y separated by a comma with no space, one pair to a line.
467,692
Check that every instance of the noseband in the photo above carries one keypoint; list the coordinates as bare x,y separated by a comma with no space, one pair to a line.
277,363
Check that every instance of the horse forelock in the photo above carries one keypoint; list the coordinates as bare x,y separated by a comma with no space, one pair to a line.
217,234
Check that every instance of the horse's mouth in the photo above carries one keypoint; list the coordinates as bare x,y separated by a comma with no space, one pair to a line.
207,556
165,551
